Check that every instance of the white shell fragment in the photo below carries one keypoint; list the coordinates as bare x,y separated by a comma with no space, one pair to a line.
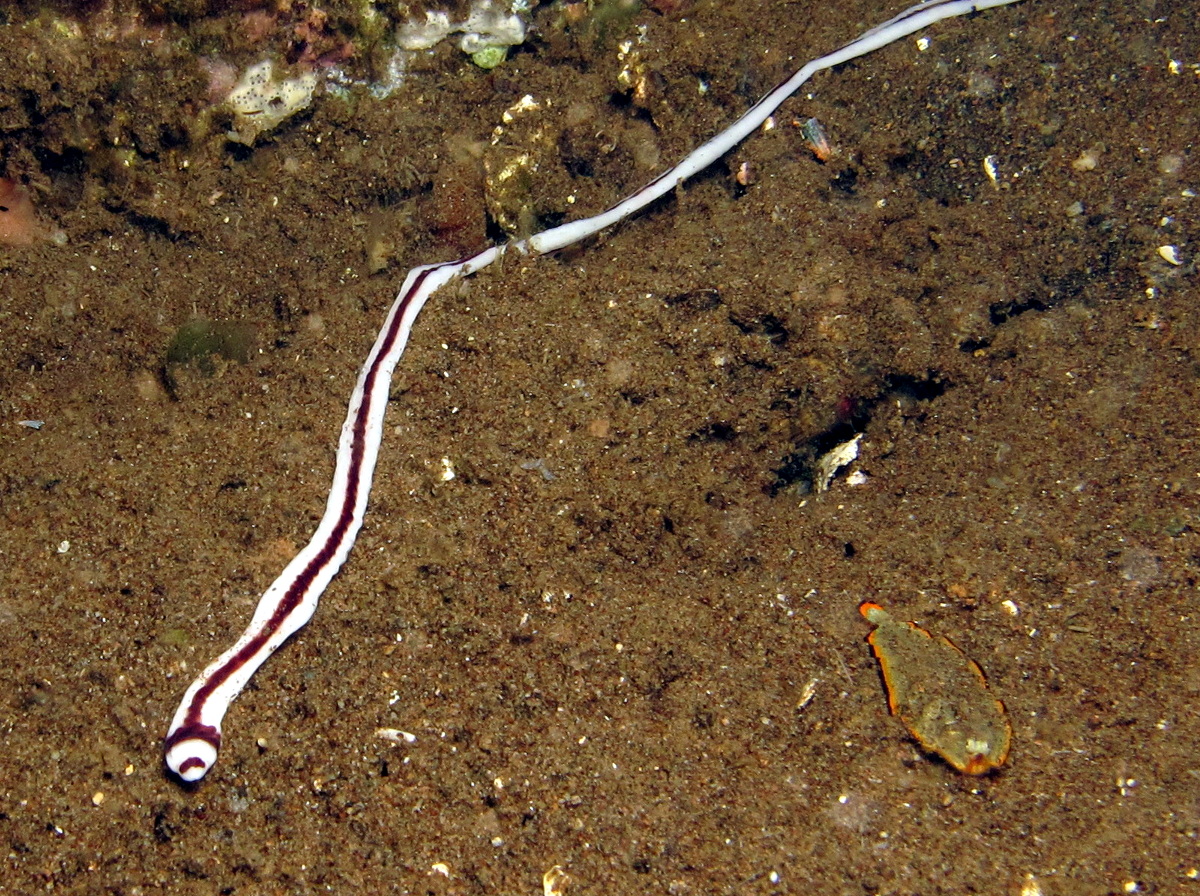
991,167
554,882
1170,254
1088,160
396,735
833,460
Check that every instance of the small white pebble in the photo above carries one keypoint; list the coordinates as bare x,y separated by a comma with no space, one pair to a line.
396,736
991,167
554,881
1170,254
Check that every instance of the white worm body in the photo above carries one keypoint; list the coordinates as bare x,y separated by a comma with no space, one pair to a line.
192,741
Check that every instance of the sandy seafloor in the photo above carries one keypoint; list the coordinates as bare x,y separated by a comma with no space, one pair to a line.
605,665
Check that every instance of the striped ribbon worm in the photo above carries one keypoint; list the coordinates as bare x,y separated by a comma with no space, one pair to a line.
192,742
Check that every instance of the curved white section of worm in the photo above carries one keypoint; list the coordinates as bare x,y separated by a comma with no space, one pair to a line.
194,737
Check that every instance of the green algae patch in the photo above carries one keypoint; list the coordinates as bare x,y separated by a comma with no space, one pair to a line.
201,341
